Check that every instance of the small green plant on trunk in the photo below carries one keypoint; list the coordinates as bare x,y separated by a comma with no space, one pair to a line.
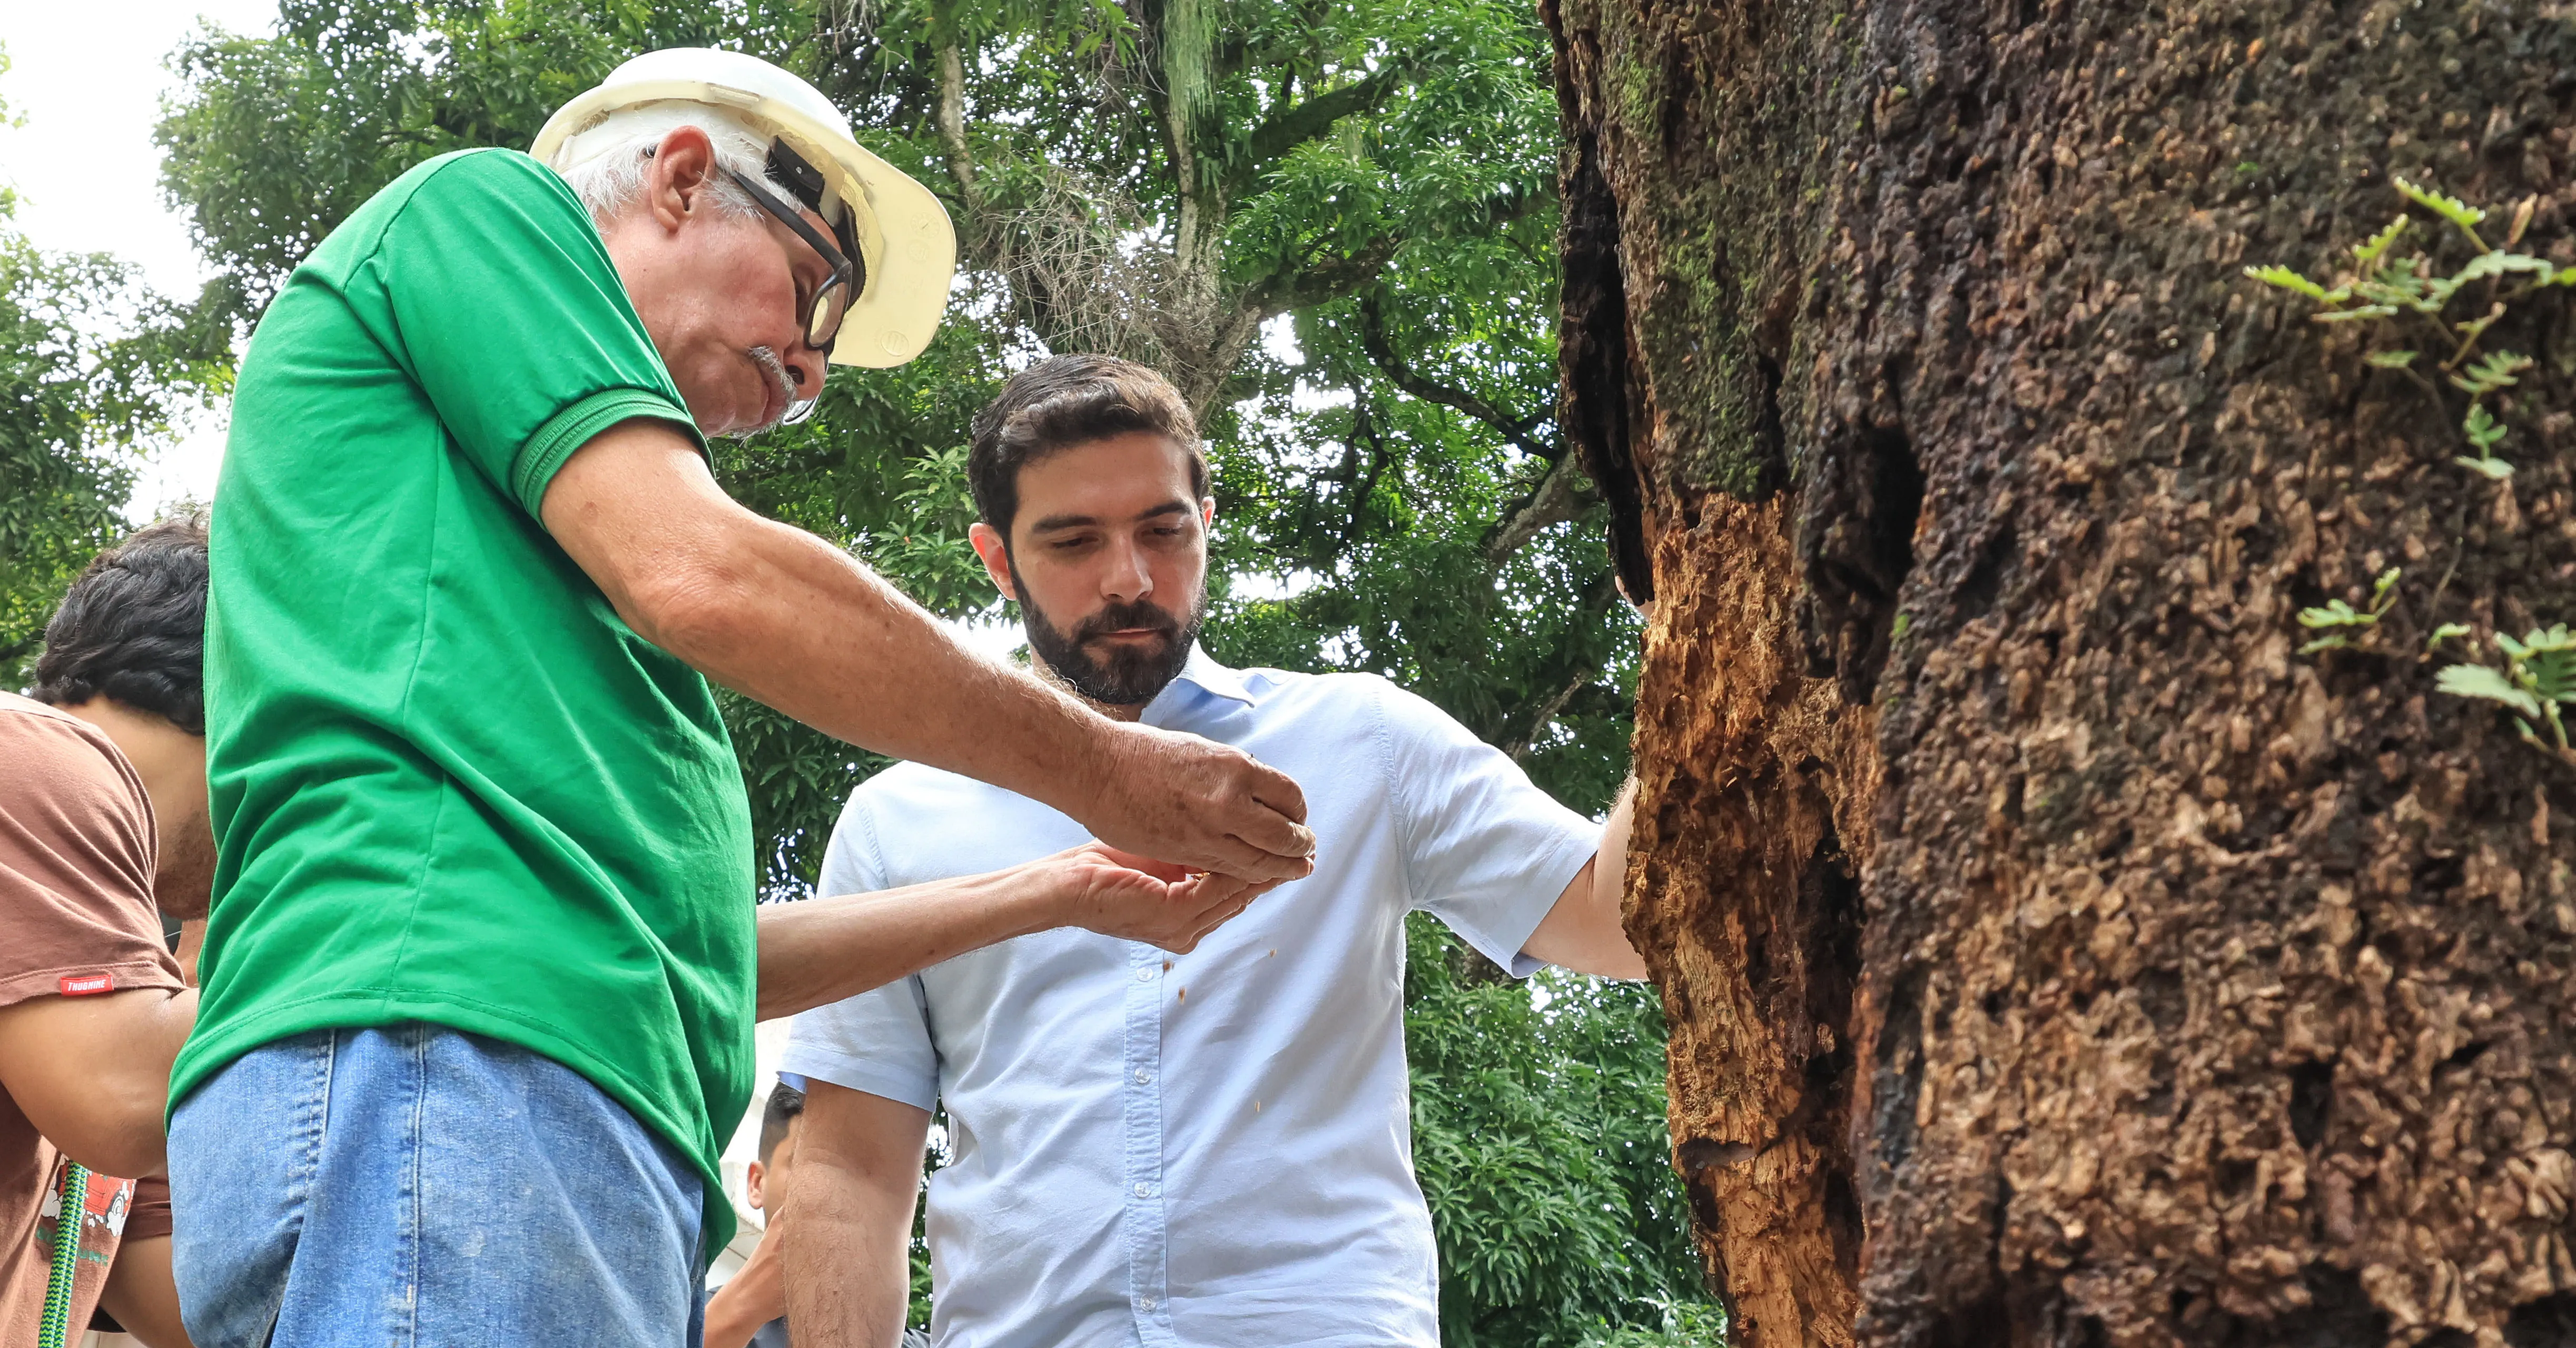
2398,295
2408,297
2539,677
2341,622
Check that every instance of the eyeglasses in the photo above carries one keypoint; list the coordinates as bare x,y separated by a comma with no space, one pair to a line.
830,302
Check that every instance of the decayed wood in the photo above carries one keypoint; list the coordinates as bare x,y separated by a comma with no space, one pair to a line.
1744,891
2200,991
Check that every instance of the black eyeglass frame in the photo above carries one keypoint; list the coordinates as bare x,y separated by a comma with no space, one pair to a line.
846,275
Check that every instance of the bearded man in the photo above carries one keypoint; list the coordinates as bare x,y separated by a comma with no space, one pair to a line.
1150,1148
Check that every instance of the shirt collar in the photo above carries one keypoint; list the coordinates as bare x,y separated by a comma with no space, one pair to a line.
1213,677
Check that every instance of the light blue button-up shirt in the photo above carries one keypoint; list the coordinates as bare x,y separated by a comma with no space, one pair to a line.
1213,1148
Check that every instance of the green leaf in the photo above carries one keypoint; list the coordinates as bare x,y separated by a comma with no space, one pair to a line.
2497,469
2332,643
2497,262
2444,633
2482,682
2349,315
2399,288
2553,677
2335,613
2287,279
2494,371
2367,254
2544,661
2450,208
2392,360
2483,430
2380,598
2537,640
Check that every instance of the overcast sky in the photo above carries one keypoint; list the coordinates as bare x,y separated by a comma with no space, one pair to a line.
87,79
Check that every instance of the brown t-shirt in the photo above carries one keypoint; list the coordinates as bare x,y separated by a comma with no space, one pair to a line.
76,920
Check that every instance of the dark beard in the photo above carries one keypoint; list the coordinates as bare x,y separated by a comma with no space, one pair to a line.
1129,677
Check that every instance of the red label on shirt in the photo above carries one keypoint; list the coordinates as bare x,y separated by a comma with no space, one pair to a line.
81,985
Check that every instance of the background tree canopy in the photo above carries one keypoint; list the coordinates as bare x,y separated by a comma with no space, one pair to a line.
1332,223
79,401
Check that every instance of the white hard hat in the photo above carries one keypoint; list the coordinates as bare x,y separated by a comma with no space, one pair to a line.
900,231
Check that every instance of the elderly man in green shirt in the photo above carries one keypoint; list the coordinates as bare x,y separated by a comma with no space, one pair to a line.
483,961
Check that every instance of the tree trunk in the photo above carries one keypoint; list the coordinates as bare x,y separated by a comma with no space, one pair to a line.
2055,954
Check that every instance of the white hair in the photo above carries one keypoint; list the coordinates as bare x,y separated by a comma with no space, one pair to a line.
614,155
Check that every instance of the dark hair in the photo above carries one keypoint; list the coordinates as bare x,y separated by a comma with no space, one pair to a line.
132,629
785,1103
1062,402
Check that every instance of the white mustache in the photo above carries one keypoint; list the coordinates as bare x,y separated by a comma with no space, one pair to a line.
776,369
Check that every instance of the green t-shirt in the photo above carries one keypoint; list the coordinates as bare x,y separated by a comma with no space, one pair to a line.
449,785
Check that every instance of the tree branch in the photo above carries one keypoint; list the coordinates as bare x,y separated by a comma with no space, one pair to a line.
952,123
1318,283
1323,281
1520,431
1559,498
1293,126
1548,711
1594,603
1363,488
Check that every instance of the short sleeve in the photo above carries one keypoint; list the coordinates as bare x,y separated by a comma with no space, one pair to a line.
76,862
1485,850
504,307
879,1041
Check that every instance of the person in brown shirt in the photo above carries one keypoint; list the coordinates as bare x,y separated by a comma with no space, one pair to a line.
102,821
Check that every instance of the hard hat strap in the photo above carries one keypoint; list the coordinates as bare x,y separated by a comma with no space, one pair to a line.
806,183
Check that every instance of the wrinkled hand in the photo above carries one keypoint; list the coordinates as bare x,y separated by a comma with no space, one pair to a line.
1137,899
1199,804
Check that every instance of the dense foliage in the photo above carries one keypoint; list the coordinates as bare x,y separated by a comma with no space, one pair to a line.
91,372
1549,1187
1333,224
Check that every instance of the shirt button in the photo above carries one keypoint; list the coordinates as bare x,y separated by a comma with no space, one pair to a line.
1143,1076
1144,1190
1145,975
1144,1303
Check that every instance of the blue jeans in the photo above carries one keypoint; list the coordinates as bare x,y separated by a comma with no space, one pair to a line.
419,1187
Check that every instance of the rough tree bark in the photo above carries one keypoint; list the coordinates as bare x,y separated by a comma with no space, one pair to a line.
2055,955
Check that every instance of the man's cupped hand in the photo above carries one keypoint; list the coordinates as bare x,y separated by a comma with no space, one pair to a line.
1136,898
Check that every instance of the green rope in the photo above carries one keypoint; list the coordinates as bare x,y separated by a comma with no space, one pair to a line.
68,1219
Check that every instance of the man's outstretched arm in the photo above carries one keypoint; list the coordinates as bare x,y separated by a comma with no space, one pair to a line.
1583,932
782,616
848,1225
823,950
